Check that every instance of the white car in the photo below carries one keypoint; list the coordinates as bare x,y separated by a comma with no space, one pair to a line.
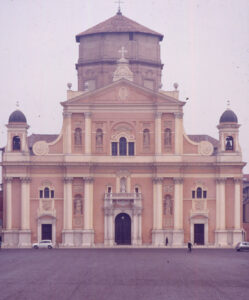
242,246
43,244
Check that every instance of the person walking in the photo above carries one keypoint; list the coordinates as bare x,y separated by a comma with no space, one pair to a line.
189,246
166,241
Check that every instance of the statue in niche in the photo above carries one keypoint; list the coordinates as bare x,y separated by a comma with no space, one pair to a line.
167,137
146,137
168,207
77,136
77,206
123,185
99,137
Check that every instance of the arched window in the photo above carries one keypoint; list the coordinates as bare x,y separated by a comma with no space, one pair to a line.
99,137
78,205
16,143
78,136
122,146
229,143
146,137
167,137
46,192
123,185
199,193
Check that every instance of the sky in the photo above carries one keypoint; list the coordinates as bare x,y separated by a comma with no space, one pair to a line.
205,50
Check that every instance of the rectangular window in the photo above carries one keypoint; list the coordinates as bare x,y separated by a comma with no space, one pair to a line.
52,194
131,36
131,148
114,148
204,194
193,194
41,194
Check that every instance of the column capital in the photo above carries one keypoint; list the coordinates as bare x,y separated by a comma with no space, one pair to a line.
178,180
88,179
237,180
158,114
87,114
178,115
68,179
67,114
8,179
221,180
157,180
25,179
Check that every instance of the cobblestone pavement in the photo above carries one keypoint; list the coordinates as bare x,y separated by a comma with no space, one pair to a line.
112,274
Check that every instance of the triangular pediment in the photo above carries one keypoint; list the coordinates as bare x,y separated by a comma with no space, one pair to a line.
122,92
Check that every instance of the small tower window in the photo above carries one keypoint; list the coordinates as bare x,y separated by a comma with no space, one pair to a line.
199,192
229,143
131,36
114,148
16,143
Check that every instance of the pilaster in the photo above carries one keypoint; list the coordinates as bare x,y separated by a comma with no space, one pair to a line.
67,141
88,132
158,133
178,133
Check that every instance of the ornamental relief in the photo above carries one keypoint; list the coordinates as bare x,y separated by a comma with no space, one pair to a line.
205,148
40,148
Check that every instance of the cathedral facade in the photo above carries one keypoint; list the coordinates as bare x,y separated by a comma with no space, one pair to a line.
122,171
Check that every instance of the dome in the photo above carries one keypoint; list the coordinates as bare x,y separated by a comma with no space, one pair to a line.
228,116
17,117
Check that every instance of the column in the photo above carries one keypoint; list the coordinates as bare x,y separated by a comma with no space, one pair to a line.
178,133
25,203
157,232
88,235
67,141
237,204
88,203
68,203
157,203
178,233
220,233
221,203
8,181
178,204
158,133
88,132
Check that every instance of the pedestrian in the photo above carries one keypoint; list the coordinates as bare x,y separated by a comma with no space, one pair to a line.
166,241
189,246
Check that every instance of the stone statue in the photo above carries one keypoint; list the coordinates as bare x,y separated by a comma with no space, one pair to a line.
77,136
167,137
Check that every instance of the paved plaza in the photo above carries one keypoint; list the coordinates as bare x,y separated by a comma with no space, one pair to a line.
112,274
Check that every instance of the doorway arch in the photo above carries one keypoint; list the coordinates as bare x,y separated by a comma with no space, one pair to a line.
123,229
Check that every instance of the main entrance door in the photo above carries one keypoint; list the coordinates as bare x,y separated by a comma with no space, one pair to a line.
46,231
123,229
199,234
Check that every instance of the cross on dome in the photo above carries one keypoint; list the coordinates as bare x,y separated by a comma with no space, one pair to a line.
122,51
119,7
228,104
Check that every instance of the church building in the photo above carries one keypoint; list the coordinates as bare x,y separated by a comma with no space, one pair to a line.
122,171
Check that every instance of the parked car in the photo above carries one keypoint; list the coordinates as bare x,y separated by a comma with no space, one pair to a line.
242,246
43,244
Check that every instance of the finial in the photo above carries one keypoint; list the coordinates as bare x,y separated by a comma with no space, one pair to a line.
228,104
17,104
176,85
69,85
119,8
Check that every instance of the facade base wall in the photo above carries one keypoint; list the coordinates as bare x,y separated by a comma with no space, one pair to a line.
224,238
16,239
178,238
77,238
